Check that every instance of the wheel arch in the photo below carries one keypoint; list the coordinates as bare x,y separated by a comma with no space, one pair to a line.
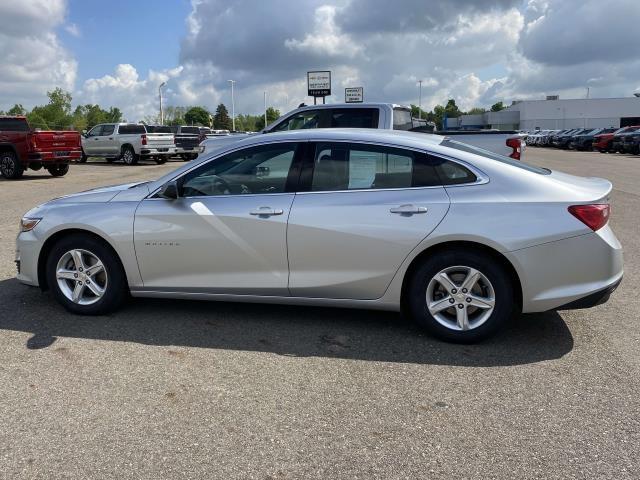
57,236
8,147
458,245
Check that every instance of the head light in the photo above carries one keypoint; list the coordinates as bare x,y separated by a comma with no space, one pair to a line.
28,224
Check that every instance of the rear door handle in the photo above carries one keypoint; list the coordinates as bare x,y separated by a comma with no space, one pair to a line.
266,211
408,209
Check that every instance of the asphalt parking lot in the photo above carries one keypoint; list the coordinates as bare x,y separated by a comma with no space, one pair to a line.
176,389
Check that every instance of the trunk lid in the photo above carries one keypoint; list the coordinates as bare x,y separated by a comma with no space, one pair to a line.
583,189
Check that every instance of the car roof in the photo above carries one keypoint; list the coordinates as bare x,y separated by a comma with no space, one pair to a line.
369,135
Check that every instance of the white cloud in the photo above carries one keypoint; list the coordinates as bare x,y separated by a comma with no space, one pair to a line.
33,60
73,29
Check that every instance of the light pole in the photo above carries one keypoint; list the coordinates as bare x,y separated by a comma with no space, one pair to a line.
265,109
420,101
160,94
233,107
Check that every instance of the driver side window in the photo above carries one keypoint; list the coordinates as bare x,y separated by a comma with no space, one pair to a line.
95,131
300,121
255,170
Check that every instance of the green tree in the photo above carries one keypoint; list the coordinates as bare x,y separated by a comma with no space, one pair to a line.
451,109
17,109
221,119
476,111
57,113
496,107
197,116
272,115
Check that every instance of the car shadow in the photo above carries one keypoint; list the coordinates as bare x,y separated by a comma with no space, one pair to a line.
281,330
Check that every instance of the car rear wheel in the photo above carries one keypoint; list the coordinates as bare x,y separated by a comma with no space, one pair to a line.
161,160
85,276
129,157
83,157
461,296
59,170
10,166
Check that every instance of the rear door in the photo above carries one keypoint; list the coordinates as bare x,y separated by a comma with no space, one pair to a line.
364,209
108,143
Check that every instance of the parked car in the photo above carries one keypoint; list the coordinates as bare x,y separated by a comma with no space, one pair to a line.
188,140
22,148
562,140
382,116
128,142
632,143
458,237
584,141
618,140
603,142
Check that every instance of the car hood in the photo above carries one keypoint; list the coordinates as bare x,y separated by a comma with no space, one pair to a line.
96,195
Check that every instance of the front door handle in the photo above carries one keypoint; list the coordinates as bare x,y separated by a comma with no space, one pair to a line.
408,209
266,211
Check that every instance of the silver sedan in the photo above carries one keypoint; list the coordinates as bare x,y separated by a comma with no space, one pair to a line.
458,238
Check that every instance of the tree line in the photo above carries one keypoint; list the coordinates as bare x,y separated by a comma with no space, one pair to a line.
58,114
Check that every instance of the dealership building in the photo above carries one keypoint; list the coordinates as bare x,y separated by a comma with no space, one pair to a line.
556,114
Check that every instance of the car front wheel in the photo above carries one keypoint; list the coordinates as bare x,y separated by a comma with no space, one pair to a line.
85,276
461,296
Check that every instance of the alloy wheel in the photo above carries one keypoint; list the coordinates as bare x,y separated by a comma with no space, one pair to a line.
460,298
81,276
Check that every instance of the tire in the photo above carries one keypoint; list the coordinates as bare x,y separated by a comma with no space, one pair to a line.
10,167
128,156
59,170
493,283
161,160
111,279
83,157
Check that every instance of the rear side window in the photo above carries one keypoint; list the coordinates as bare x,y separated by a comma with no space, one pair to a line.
351,166
107,129
130,129
451,173
190,130
13,125
354,118
402,119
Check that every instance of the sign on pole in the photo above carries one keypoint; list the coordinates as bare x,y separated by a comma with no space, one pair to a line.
319,84
354,95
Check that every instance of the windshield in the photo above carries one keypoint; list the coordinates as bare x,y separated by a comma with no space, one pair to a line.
494,156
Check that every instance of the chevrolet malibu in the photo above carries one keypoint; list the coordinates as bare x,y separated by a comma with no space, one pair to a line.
457,238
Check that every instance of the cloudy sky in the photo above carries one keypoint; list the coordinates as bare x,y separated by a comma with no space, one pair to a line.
476,51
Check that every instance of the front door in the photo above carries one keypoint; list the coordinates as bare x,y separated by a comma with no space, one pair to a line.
90,144
366,208
226,233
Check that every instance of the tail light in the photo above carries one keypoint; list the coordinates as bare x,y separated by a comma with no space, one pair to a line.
34,142
144,139
593,216
516,145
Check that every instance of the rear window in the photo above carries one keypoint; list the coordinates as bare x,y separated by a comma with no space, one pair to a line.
190,130
494,156
402,119
130,129
354,118
158,129
14,125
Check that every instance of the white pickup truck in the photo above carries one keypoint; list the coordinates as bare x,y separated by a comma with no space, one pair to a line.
128,142
387,116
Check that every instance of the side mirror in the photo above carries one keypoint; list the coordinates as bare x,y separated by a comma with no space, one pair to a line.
84,133
169,190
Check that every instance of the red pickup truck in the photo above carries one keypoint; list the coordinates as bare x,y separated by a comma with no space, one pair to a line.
21,148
